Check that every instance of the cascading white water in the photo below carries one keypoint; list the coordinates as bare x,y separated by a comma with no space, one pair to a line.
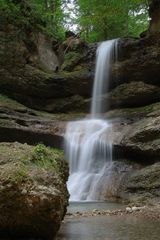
88,142
105,55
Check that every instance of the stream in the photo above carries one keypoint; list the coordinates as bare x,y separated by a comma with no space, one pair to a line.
125,227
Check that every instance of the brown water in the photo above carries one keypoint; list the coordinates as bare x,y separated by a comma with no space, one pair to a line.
109,228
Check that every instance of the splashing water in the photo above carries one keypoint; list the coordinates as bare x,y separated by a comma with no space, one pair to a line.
88,142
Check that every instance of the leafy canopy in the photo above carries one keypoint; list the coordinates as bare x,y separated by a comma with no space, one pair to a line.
45,15
94,20
104,19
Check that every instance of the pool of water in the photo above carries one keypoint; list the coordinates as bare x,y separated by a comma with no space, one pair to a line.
126,227
90,206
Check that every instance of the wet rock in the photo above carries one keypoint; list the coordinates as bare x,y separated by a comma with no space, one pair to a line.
128,209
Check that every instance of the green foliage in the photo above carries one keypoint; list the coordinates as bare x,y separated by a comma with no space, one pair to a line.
105,19
19,175
96,20
46,157
22,160
29,15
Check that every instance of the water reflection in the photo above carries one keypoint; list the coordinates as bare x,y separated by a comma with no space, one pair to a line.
109,228
90,206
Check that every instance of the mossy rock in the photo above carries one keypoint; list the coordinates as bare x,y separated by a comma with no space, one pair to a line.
33,190
71,60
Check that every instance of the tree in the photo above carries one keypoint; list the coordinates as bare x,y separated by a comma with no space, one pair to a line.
104,19
37,15
154,13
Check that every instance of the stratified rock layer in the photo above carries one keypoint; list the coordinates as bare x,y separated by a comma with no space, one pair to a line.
143,186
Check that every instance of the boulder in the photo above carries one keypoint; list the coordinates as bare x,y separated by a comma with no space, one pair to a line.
33,190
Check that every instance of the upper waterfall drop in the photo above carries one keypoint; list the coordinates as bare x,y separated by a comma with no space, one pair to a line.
106,54
88,145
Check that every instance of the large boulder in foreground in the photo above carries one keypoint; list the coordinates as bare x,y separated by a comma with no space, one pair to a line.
33,191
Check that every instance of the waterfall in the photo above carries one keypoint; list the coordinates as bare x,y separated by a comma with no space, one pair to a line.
88,144
106,53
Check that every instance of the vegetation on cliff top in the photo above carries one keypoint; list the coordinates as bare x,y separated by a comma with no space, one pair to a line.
34,15
92,20
101,20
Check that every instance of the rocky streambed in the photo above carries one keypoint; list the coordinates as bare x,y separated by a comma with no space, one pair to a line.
126,223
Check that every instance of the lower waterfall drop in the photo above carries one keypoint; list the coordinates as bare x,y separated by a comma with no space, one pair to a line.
88,144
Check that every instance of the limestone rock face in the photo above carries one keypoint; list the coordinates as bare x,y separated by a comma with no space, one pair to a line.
46,56
144,136
136,138
133,94
136,133
143,186
138,61
25,125
33,190
28,77
28,72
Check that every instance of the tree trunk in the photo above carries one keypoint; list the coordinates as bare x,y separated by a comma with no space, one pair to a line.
154,14
46,4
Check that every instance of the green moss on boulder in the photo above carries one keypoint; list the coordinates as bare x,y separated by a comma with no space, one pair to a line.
33,190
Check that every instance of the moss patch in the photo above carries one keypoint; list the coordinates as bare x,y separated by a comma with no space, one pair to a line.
18,159
71,59
10,103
